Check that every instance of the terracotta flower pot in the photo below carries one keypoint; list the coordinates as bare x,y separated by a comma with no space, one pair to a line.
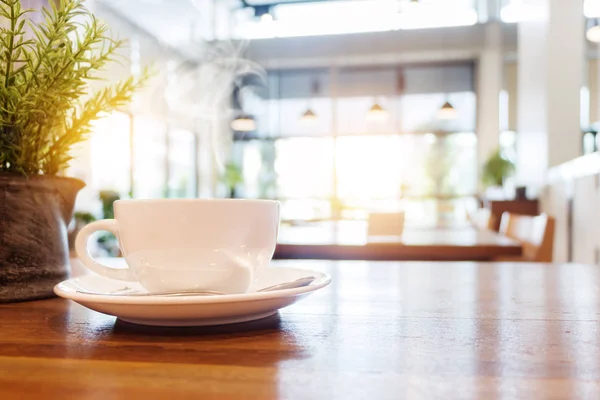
34,215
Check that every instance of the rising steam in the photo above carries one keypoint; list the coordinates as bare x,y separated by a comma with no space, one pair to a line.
203,90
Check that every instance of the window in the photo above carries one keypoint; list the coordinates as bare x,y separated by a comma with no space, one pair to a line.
304,167
346,163
110,153
162,162
353,117
369,167
418,112
150,158
303,170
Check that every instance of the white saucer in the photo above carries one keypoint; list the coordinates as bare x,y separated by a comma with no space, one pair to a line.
191,310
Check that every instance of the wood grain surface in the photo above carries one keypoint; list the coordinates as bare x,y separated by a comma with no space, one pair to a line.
381,330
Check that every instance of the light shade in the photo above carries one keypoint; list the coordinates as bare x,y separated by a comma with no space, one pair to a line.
266,18
263,12
309,117
377,113
243,123
447,111
593,32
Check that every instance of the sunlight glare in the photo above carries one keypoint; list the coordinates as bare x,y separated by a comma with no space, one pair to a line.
344,16
110,153
591,8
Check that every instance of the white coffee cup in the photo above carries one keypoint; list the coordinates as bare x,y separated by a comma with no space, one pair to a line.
182,244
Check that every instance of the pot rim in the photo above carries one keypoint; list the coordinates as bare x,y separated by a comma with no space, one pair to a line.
17,178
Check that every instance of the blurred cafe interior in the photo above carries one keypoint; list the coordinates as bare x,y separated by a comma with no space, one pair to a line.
435,166
387,129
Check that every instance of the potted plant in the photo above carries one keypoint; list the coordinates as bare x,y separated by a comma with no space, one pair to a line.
232,177
495,171
46,108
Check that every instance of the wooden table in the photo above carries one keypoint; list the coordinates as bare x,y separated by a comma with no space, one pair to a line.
381,330
349,241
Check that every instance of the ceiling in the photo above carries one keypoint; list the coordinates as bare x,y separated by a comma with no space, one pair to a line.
177,22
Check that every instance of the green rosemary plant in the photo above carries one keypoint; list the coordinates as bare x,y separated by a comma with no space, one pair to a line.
45,74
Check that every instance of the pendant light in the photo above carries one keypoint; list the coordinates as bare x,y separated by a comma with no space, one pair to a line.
263,12
243,122
377,113
447,112
593,31
309,117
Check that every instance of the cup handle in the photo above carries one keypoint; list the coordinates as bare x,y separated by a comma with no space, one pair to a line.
81,242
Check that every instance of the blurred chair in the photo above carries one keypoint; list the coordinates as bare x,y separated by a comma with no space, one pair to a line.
482,219
515,226
385,224
535,233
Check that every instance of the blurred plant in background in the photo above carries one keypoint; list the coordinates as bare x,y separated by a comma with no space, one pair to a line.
232,177
80,219
107,241
496,169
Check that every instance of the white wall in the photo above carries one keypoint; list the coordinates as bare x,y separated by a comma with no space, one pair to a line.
532,140
551,66
566,66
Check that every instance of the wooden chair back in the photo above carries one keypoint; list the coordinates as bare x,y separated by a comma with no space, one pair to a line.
385,224
482,219
535,233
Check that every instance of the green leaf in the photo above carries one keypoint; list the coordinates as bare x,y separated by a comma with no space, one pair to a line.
45,78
